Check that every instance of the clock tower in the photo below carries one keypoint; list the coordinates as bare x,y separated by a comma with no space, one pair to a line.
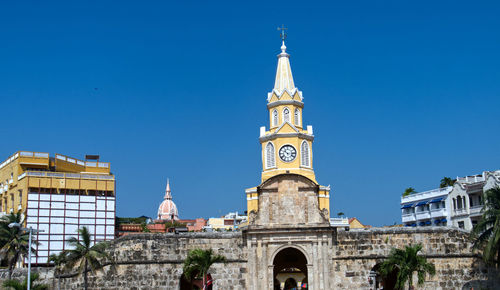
287,144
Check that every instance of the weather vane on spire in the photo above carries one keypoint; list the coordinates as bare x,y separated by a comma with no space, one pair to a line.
283,34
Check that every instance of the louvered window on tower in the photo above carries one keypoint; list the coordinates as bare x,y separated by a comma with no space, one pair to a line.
305,160
275,118
286,115
297,116
270,161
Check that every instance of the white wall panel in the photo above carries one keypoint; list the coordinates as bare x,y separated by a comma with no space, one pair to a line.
31,219
58,197
33,196
43,212
43,219
87,214
43,253
43,246
72,213
101,214
100,230
44,196
91,229
56,237
57,212
110,230
70,220
100,221
58,220
71,235
33,204
71,229
57,204
56,245
72,205
32,212
87,206
110,204
86,198
87,221
44,204
72,198
56,229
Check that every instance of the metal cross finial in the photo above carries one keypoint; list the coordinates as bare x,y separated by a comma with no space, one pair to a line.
283,34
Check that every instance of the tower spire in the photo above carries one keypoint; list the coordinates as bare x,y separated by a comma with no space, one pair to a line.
284,78
168,195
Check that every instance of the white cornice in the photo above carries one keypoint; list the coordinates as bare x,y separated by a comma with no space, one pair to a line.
285,102
273,136
279,94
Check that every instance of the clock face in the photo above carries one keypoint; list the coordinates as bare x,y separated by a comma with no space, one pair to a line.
288,153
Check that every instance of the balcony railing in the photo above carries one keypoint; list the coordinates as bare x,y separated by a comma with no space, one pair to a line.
339,222
9,160
423,215
408,218
67,175
440,212
471,179
430,194
476,210
82,163
460,211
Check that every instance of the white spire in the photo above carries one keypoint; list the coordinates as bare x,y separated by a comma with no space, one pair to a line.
168,195
284,78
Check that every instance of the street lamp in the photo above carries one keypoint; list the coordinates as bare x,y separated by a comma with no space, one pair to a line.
30,230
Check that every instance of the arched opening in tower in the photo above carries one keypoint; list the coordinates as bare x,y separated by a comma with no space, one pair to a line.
290,270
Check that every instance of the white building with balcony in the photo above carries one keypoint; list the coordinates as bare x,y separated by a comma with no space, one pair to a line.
456,206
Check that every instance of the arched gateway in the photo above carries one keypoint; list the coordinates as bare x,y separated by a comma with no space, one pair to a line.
290,269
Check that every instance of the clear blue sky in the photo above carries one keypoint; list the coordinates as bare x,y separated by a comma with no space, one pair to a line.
400,93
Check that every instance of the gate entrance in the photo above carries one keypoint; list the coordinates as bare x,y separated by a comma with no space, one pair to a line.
290,270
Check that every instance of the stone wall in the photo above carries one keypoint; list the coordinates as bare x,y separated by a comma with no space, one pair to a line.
154,261
358,251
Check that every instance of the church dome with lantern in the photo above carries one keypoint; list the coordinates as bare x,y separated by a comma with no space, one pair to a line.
167,209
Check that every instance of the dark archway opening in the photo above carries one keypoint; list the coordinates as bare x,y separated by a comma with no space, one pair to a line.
380,282
290,284
290,270
185,284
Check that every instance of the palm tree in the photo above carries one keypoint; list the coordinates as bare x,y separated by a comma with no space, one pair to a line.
83,254
58,260
446,181
486,233
406,262
17,285
199,261
408,191
13,240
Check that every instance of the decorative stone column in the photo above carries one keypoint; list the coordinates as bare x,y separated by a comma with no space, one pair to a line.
310,277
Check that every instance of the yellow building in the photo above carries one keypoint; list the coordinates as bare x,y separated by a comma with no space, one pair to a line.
58,195
287,145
